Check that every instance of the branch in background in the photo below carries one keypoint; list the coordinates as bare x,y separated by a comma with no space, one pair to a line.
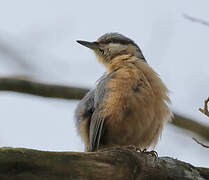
196,20
114,163
41,89
192,126
205,110
198,142
14,56
68,92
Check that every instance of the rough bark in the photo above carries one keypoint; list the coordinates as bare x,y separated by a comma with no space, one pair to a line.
69,92
114,164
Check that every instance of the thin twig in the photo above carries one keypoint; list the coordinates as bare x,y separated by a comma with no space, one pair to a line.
15,56
205,110
198,142
196,20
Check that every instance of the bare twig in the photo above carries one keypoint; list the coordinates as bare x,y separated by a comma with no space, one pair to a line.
15,56
196,20
205,110
68,92
198,142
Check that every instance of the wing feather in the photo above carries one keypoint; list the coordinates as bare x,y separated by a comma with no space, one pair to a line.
97,125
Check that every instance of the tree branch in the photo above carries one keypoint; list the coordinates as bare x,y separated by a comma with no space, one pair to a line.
191,125
68,92
41,89
112,164
14,56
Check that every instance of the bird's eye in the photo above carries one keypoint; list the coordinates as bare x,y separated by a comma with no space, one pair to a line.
101,51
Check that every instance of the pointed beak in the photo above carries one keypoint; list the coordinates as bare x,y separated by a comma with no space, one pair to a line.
91,45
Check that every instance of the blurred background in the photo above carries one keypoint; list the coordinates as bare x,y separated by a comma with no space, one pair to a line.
38,42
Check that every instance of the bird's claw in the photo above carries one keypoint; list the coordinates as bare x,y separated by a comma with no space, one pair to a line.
152,153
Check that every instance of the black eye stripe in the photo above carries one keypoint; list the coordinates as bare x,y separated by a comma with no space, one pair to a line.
117,41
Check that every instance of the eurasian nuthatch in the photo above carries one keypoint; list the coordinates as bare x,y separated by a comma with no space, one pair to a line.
128,107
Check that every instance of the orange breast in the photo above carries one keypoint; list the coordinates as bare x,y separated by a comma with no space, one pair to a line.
136,104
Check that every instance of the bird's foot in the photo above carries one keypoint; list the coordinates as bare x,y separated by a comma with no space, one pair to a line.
152,153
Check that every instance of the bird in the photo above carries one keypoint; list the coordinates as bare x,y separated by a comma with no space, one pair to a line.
129,104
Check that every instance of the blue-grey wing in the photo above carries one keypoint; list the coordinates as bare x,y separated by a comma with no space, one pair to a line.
97,124
85,107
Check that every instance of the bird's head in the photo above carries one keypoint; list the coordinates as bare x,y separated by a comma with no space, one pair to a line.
111,45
